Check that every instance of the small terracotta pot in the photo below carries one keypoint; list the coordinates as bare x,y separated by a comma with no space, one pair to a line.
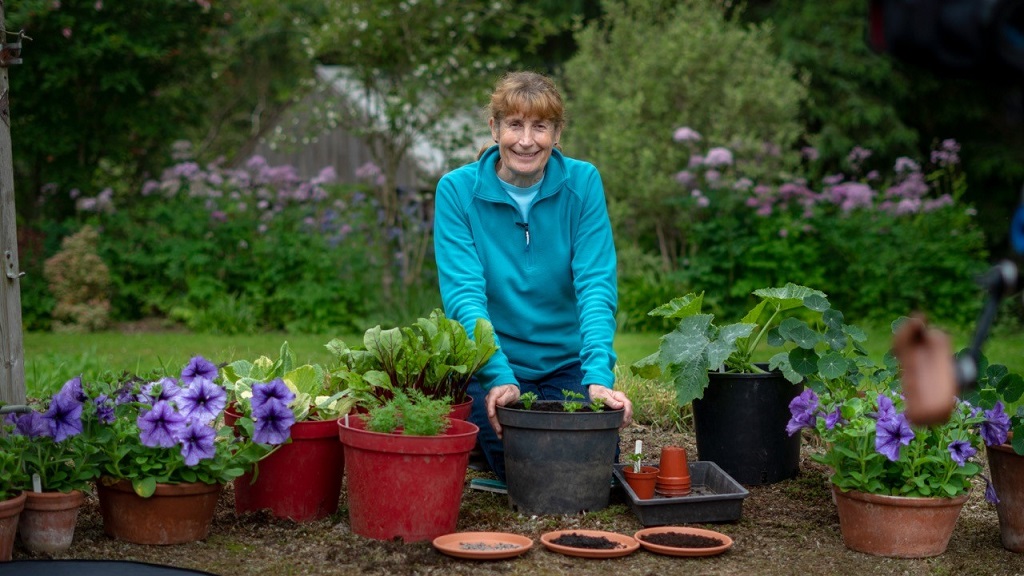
48,521
1008,480
674,478
896,526
673,462
10,510
641,482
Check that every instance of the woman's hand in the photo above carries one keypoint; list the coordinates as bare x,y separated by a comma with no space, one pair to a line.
613,399
501,395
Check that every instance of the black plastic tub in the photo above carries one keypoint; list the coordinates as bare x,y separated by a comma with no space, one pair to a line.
715,497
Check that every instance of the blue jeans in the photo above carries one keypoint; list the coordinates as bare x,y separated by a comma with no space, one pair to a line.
549,387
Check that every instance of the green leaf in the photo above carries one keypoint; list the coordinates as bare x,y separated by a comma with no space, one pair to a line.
647,367
687,342
1011,387
681,307
719,350
817,302
789,296
833,319
144,487
833,365
799,332
690,380
803,361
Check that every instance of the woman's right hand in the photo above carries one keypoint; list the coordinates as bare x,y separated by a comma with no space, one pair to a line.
501,395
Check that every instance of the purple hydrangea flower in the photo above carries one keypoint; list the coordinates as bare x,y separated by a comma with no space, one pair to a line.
804,411
197,443
961,450
161,426
64,417
273,423
996,427
686,134
203,401
104,409
718,157
199,367
890,434
274,390
73,388
32,425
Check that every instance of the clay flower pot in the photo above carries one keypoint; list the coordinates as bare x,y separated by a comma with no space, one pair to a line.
896,526
10,510
674,477
1008,479
48,521
174,514
641,482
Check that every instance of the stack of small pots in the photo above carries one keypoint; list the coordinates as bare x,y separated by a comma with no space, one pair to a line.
674,476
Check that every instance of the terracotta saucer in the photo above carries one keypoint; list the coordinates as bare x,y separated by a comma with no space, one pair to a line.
483,545
674,551
628,544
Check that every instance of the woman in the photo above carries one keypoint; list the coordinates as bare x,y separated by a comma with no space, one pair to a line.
522,238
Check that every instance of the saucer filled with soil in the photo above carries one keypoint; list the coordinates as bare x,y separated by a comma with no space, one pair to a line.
589,543
683,541
483,545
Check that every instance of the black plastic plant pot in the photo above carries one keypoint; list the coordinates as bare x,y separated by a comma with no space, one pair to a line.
558,462
740,425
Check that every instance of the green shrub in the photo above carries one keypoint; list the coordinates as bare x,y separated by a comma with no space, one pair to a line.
80,284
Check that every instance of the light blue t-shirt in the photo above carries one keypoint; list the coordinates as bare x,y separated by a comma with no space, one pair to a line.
522,196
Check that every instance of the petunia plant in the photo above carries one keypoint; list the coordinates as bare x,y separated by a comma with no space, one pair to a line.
870,446
47,443
1000,393
171,430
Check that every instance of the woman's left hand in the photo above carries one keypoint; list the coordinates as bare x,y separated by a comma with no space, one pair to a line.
613,399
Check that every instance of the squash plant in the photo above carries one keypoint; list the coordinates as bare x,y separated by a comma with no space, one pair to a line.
434,355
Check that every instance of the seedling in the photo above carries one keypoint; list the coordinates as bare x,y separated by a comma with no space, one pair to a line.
571,403
528,399
597,404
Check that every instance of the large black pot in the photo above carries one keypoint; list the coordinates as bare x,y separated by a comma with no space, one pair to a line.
741,426
558,462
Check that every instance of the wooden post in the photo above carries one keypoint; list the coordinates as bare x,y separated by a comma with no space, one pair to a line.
12,353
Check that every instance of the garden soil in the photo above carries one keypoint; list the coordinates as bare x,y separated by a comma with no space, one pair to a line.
786,528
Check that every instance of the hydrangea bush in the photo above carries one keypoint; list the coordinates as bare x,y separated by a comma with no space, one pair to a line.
880,240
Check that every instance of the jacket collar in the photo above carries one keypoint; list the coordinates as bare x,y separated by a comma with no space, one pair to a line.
487,186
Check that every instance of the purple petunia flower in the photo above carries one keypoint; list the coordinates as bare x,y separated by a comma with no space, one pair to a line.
273,423
199,367
165,389
961,450
161,426
73,389
32,425
197,443
990,491
104,409
890,434
834,417
274,390
804,411
996,427
202,401
886,409
64,417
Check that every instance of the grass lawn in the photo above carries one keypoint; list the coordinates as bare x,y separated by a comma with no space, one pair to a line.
51,359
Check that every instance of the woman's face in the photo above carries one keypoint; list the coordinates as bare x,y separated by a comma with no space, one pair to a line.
524,144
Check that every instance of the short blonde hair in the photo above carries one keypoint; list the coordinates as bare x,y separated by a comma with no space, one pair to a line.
527,93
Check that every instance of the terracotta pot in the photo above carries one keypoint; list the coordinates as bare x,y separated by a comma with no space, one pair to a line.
301,480
1007,469
10,510
641,482
48,521
174,514
896,526
674,478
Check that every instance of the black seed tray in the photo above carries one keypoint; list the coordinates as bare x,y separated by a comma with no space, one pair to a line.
714,497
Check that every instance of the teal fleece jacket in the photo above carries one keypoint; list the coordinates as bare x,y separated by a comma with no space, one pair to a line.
548,286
